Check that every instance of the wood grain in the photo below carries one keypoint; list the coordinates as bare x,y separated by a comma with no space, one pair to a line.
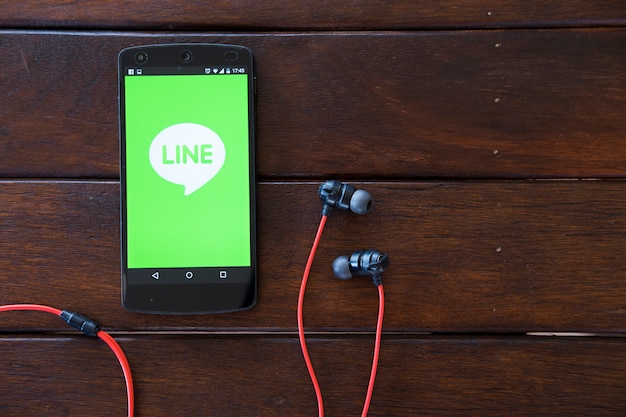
308,14
381,105
265,376
470,122
466,257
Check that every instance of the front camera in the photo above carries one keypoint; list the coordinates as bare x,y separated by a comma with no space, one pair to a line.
185,56
141,58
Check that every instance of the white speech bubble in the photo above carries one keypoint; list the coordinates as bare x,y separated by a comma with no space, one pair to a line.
188,154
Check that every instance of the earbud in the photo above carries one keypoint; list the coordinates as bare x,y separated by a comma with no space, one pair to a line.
345,197
368,262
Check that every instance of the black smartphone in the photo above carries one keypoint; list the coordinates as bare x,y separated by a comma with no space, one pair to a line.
188,182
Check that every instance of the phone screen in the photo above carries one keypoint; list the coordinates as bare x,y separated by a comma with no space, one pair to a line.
188,181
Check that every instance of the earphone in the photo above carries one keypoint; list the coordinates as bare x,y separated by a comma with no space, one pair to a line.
345,197
369,262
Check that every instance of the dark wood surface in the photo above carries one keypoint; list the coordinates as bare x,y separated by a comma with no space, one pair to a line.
492,139
225,375
482,104
311,14
466,256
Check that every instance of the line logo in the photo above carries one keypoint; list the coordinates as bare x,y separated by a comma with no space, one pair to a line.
188,154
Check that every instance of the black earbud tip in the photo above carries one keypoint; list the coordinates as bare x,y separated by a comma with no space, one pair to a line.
361,202
341,267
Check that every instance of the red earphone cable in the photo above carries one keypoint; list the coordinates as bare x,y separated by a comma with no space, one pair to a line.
104,336
30,307
121,357
305,352
379,333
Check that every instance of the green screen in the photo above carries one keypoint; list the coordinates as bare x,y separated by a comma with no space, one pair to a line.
187,198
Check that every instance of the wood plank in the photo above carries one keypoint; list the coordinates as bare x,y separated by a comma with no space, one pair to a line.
363,105
308,14
466,256
265,376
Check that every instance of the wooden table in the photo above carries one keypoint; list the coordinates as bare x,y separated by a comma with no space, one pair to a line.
492,136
